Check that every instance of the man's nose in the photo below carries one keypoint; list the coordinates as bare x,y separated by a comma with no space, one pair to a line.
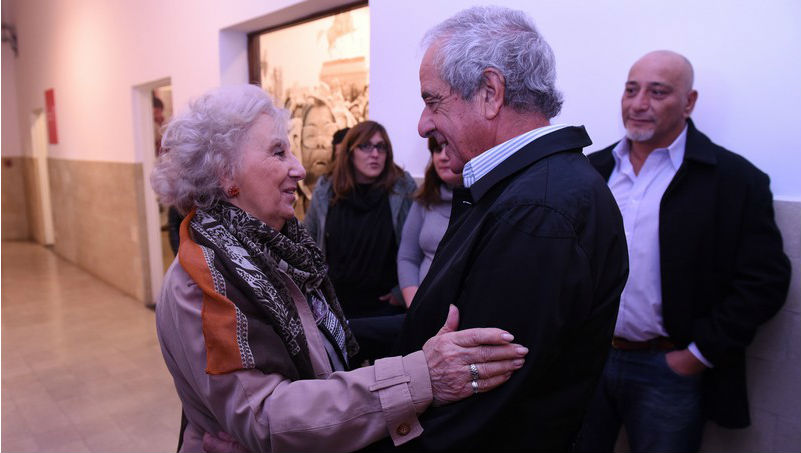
641,101
425,125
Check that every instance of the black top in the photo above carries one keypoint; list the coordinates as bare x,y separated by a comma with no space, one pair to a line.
535,247
361,251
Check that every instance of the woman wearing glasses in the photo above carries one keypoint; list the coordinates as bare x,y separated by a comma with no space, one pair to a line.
356,217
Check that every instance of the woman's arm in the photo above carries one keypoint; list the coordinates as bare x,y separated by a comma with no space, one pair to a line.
346,411
408,294
410,255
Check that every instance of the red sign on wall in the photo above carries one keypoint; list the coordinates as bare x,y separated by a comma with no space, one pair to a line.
50,109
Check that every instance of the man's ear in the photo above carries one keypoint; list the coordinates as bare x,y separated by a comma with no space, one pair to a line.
491,92
692,96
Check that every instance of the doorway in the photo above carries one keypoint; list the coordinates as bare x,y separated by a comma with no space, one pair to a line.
43,231
152,110
168,215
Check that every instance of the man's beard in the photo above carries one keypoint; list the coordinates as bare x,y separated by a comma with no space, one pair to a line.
639,135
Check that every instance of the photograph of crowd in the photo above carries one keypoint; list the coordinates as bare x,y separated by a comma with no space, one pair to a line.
322,78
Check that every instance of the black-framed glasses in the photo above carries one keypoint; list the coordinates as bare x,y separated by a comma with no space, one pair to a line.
368,147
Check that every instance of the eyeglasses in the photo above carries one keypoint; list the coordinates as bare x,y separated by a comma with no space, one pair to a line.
368,147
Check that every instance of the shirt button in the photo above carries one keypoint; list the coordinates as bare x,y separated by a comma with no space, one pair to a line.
403,429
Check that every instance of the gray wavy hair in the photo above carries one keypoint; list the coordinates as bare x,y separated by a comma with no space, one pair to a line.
504,39
202,145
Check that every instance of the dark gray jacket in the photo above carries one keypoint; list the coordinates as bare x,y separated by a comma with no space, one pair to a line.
400,201
536,247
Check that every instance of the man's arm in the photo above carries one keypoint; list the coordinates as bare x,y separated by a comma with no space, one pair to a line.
759,282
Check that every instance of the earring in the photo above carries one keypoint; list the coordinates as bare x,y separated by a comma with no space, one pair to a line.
232,191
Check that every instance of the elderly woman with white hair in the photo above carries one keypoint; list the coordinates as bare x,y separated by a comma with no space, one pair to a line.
248,322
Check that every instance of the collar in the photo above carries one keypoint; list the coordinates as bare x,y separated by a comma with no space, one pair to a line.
675,150
564,139
699,147
482,164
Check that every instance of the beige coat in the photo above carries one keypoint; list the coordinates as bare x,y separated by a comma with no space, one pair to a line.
339,411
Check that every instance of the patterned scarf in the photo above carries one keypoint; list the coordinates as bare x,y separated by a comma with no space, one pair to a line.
243,257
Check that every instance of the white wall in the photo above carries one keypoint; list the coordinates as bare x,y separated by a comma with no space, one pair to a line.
747,59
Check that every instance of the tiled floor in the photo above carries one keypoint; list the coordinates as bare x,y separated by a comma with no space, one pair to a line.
81,365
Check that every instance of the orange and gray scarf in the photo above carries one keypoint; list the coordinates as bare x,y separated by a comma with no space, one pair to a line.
235,259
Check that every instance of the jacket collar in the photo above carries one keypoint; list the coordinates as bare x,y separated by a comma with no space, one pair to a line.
697,149
568,138
698,146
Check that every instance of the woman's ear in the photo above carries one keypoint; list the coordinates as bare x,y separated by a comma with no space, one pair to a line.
226,180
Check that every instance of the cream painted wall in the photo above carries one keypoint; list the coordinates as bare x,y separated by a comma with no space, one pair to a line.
102,58
11,144
747,57
93,52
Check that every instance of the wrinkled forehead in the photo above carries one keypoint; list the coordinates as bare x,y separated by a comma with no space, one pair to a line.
269,127
427,63
281,123
431,82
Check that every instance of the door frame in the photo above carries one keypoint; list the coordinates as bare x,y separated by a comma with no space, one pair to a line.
40,151
146,155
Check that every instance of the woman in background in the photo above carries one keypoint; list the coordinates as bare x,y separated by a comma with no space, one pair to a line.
427,221
356,217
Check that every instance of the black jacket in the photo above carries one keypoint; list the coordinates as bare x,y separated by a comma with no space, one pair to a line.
535,247
723,269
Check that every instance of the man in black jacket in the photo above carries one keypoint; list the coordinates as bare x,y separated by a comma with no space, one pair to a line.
535,243
707,268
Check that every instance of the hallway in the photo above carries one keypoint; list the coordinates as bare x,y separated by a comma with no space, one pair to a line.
81,365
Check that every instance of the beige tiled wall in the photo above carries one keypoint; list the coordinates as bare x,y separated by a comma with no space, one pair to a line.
774,365
98,213
33,199
14,210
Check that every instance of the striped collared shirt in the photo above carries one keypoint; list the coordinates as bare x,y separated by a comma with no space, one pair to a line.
482,164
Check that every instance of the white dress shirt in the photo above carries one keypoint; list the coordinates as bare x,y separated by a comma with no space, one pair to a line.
482,164
639,197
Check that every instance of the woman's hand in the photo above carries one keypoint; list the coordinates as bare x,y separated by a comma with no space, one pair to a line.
408,294
450,353
391,299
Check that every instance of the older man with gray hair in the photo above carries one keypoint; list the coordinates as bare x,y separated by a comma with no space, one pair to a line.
535,243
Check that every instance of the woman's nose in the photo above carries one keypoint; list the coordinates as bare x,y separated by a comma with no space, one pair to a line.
296,170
